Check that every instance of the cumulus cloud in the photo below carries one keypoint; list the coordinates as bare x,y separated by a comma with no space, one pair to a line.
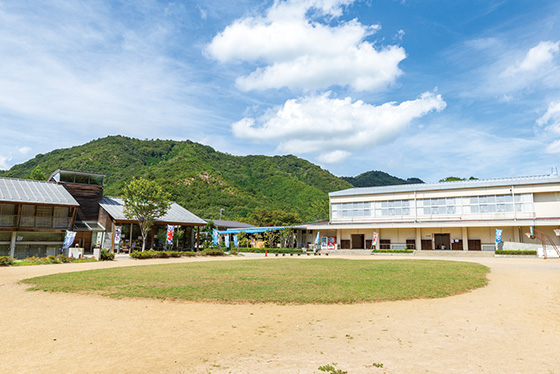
24,150
293,49
549,124
334,128
4,162
536,58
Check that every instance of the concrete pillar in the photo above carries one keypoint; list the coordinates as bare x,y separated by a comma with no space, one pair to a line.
465,239
516,234
13,245
418,241
338,237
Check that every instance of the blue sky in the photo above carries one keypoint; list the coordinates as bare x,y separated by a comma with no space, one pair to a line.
422,89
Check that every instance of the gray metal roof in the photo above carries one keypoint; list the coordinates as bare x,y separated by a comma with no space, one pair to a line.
176,214
34,192
481,183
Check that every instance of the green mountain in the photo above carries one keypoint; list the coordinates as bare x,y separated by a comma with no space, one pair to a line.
198,177
376,178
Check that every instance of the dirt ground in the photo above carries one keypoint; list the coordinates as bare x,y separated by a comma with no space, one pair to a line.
510,326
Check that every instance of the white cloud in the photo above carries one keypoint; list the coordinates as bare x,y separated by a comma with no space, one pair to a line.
334,128
537,58
24,150
295,51
549,126
72,71
4,162
333,157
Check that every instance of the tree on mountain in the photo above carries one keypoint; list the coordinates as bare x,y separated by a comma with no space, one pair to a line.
145,201
457,179
37,174
319,210
263,217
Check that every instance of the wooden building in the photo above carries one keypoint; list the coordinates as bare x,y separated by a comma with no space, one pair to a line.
34,217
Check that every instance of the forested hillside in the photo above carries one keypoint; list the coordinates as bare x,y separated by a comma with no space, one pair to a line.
376,178
204,180
198,177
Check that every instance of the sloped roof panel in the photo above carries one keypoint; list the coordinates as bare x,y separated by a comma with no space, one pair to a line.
479,183
34,192
176,214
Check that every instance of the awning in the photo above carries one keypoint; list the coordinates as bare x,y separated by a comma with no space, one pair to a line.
88,226
255,230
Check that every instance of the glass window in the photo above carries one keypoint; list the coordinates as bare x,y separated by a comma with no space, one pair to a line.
450,201
384,204
406,211
474,200
474,209
427,210
491,199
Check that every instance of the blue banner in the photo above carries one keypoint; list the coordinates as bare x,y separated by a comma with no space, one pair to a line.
69,239
317,239
227,241
215,237
236,241
498,236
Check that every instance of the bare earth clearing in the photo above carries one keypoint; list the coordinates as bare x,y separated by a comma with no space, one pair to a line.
511,326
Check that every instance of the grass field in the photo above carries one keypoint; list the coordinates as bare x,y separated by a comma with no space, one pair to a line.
298,281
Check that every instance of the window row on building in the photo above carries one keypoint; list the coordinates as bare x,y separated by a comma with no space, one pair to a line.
440,206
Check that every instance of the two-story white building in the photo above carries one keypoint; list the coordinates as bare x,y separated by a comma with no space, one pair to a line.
460,215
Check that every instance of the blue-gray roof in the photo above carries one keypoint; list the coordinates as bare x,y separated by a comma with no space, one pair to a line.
480,183
34,192
176,214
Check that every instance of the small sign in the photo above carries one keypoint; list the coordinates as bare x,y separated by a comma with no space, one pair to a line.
19,238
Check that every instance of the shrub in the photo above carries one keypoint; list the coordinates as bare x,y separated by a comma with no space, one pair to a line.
188,254
392,251
106,255
6,261
271,250
514,252
212,252
61,259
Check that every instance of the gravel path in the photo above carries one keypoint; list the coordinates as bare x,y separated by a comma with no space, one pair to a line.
511,326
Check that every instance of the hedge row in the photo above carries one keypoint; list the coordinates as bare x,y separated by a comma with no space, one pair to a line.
272,250
392,251
60,259
516,253
166,254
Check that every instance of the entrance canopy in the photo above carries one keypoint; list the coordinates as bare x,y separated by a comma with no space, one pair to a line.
254,230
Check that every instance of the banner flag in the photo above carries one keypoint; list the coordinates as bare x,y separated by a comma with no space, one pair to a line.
498,236
374,239
170,232
227,241
118,234
215,236
317,238
236,241
69,239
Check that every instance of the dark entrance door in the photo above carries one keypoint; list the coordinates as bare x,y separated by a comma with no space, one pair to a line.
442,241
358,241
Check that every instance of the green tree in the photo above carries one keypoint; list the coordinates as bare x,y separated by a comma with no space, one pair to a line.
456,179
145,201
37,174
319,210
263,217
